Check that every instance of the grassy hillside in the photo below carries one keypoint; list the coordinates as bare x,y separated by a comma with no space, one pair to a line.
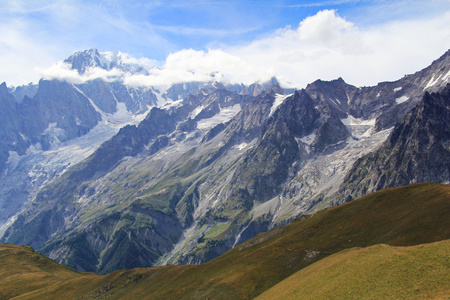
375,272
25,274
403,216
23,270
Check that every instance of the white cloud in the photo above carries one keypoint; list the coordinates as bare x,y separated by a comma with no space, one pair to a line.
36,33
19,55
326,46
126,59
63,72
191,65
324,28
323,46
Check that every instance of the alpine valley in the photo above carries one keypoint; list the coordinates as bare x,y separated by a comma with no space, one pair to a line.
101,175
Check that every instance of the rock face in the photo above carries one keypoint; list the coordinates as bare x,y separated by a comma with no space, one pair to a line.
46,127
73,195
215,166
417,150
280,140
57,112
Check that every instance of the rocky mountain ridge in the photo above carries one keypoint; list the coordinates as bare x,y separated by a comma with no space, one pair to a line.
203,174
417,150
47,127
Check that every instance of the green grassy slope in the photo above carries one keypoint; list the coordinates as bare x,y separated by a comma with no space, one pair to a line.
403,216
375,272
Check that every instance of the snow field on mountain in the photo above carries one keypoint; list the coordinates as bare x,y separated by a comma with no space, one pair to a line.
279,99
225,115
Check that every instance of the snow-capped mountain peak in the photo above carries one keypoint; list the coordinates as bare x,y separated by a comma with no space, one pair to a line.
82,60
108,60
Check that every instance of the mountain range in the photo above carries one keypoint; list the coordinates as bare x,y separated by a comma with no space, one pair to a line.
198,168
49,126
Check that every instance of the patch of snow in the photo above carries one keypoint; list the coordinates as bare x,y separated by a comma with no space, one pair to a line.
334,102
106,58
378,95
123,117
136,119
177,103
279,99
160,100
433,81
397,89
225,115
241,146
196,111
34,149
359,127
446,76
13,159
352,121
307,147
308,139
401,99
368,133
50,128
23,136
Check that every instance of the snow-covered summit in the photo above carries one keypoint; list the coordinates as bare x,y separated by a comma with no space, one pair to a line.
108,60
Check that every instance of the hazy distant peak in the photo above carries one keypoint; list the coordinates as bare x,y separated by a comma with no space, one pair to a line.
107,60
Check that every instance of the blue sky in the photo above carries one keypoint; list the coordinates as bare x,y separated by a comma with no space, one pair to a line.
267,36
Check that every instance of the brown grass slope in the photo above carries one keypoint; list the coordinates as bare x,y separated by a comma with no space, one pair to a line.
375,272
23,270
402,216
25,274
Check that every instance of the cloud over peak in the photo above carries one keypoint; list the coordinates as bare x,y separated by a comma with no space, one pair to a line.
323,46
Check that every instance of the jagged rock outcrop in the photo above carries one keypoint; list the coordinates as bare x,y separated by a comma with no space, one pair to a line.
57,111
417,150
